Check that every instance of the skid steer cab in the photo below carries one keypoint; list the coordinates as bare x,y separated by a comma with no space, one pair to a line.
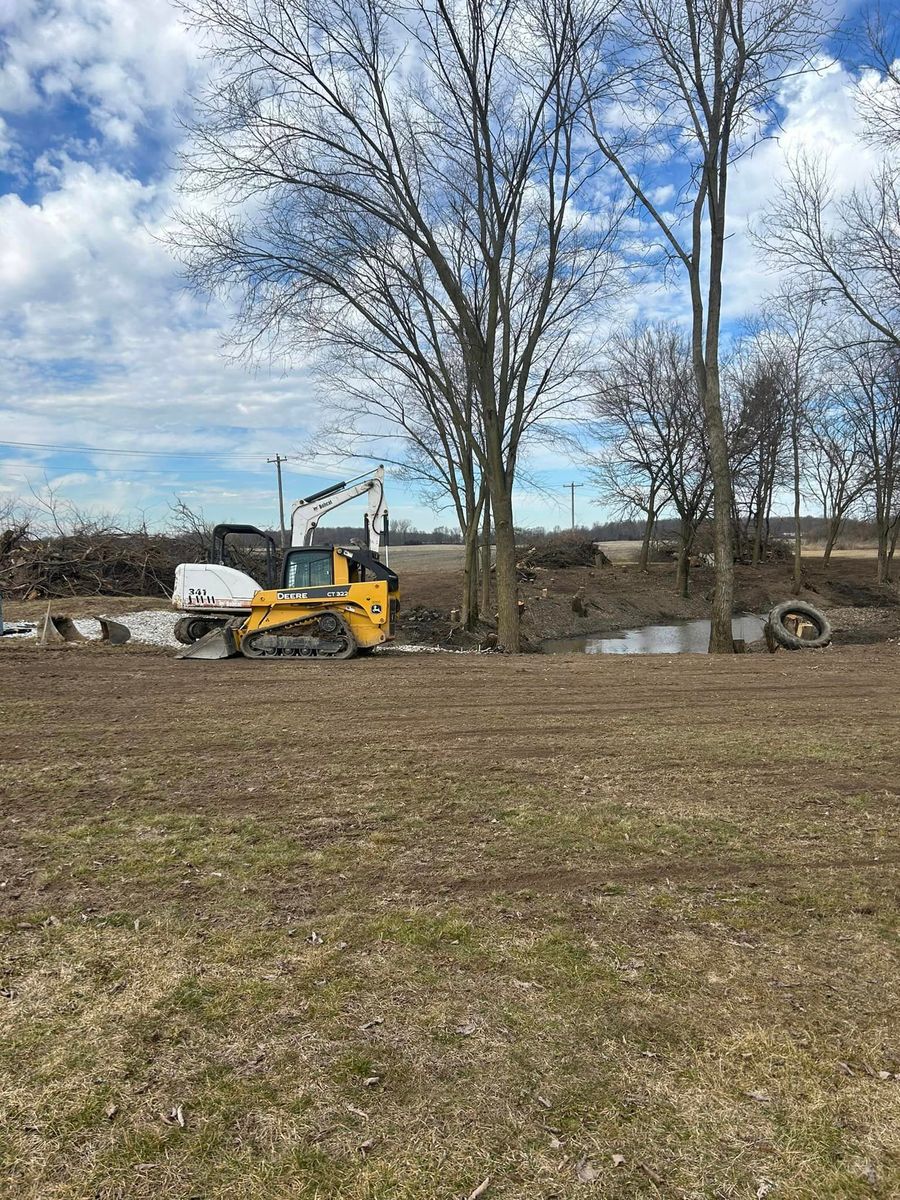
333,602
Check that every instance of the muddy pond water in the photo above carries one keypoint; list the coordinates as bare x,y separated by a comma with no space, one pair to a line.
675,637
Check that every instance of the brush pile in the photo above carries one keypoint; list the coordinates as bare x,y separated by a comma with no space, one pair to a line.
88,563
54,551
561,553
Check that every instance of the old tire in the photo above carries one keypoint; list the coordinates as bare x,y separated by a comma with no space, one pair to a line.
790,641
191,629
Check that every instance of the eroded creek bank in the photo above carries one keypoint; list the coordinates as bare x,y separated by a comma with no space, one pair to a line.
581,604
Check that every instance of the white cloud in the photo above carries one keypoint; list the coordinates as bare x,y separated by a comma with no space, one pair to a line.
105,347
819,118
121,58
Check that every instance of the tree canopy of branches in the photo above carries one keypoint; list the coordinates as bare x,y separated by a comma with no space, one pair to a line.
425,429
647,411
835,469
758,443
870,399
879,98
845,247
787,351
401,180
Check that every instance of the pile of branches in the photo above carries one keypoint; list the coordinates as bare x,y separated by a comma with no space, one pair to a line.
88,563
55,551
775,550
52,550
561,553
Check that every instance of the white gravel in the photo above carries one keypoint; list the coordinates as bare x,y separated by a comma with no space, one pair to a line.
411,648
152,626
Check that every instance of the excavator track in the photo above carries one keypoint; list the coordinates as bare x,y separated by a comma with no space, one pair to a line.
324,635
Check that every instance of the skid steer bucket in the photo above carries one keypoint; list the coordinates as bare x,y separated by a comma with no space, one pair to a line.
113,632
55,630
218,643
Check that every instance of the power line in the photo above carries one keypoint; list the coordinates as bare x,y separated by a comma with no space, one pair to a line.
161,472
219,455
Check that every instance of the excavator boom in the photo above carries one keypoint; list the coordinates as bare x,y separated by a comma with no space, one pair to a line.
307,513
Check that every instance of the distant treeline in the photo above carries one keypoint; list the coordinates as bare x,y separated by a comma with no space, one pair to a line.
402,533
814,529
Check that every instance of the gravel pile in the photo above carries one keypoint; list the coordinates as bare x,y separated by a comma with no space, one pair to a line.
424,648
154,627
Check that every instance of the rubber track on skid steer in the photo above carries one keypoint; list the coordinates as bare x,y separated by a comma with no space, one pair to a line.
292,639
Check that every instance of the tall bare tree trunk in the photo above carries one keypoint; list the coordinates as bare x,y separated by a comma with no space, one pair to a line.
892,549
721,636
798,540
469,614
883,562
499,488
505,568
757,533
644,559
682,573
486,558
834,526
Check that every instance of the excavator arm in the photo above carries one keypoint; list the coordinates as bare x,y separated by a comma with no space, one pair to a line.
306,514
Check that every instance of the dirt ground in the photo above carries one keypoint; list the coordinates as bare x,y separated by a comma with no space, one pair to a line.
434,927
620,596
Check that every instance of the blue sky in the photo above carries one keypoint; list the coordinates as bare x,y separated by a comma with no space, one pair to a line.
103,347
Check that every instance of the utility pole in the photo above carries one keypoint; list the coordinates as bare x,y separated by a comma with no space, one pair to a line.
278,460
572,486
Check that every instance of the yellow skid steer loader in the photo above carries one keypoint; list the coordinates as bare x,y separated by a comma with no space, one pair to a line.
334,602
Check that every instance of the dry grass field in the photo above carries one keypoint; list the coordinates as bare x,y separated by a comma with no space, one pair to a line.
433,927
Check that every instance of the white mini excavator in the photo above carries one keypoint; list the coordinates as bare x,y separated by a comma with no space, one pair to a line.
326,601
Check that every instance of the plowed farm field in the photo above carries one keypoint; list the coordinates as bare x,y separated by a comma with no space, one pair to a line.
444,926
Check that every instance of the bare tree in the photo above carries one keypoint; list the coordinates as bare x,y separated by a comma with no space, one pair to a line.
845,248
702,75
879,100
871,400
422,420
758,442
834,462
794,334
632,471
630,479
647,410
340,143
